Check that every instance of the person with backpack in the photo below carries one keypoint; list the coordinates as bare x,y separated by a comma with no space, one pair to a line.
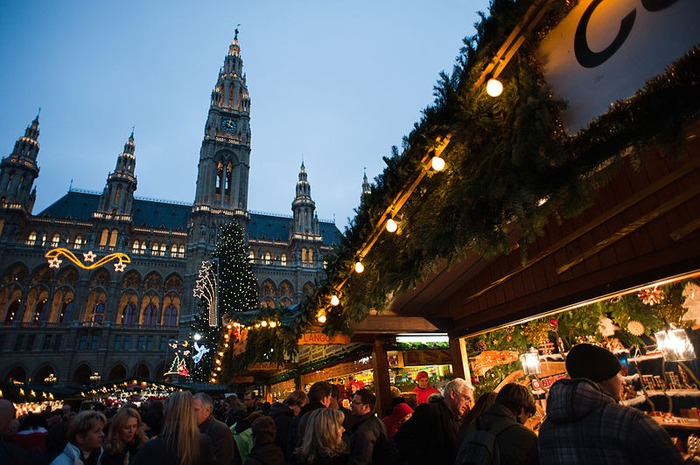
431,436
498,436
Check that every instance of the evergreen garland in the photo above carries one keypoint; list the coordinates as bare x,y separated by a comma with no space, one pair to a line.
511,168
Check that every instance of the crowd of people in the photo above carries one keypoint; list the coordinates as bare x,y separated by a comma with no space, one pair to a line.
585,424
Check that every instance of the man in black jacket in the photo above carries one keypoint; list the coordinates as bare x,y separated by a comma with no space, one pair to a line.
368,439
431,435
218,432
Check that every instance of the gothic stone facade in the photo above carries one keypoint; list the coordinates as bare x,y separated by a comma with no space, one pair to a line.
74,320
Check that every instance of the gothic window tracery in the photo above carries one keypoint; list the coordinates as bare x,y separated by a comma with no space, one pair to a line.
129,314
150,315
170,316
103,238
55,240
153,281
31,239
67,277
79,242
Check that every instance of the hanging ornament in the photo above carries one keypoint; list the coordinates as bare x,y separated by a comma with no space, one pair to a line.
475,379
510,329
635,328
651,295
509,337
553,323
480,345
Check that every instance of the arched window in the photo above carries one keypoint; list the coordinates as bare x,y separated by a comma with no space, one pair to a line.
154,249
311,256
163,249
11,311
55,240
251,257
98,313
303,254
113,238
66,310
283,260
79,242
103,238
150,315
143,248
135,247
173,250
31,240
170,316
182,251
268,258
39,314
129,315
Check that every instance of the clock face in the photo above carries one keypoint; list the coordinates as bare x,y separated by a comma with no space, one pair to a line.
228,125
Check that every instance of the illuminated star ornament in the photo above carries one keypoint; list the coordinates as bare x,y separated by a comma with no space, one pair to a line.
120,259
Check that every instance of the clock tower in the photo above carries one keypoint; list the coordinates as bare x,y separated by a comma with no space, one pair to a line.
224,159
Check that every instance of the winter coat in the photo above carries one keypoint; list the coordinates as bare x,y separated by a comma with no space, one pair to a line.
517,445
221,439
586,426
283,416
266,454
298,424
430,436
367,436
342,459
157,451
125,458
72,455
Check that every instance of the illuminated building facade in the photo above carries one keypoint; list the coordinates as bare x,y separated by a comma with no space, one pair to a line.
67,321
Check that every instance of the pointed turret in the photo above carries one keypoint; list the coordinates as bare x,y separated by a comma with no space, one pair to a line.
366,188
305,221
117,200
19,170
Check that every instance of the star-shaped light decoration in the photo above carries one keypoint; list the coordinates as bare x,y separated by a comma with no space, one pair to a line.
89,257
55,262
119,266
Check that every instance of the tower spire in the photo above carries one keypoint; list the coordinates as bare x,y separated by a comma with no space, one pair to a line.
117,200
19,170
366,188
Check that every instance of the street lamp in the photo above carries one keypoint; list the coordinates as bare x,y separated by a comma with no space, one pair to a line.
95,378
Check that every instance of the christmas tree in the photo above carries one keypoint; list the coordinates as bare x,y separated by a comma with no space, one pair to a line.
236,292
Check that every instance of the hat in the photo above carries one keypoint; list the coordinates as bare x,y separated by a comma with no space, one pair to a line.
593,362
422,375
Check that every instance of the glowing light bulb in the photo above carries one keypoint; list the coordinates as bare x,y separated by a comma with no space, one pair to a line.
437,163
321,319
359,267
335,300
494,87
263,323
392,225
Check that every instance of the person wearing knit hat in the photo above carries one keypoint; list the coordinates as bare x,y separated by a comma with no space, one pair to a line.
399,415
424,389
586,424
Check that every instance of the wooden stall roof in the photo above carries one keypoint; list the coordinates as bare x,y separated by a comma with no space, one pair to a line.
643,227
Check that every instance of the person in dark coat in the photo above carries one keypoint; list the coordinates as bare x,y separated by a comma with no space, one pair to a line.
319,397
517,444
265,451
283,413
586,425
432,433
368,434
218,432
180,442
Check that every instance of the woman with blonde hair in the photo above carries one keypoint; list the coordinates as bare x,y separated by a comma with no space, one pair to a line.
323,440
180,442
125,437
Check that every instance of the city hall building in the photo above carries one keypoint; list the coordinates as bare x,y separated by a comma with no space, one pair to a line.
118,281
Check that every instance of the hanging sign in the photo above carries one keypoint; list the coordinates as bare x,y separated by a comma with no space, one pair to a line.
323,339
604,51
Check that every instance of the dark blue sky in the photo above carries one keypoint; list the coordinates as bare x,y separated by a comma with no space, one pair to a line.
337,84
